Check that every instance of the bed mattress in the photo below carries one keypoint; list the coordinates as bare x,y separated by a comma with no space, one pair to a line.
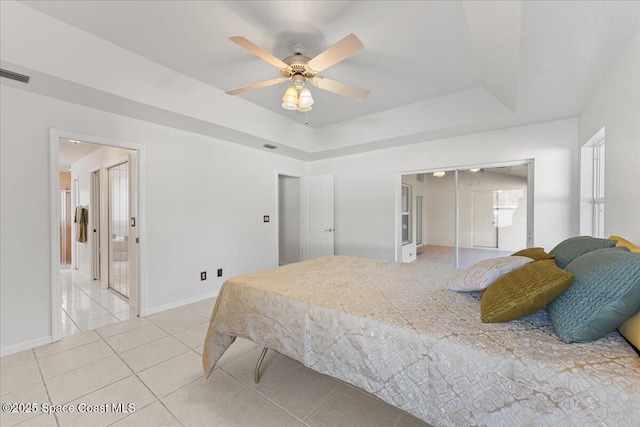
395,331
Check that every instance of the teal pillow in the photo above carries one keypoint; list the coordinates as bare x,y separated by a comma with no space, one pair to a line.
604,294
570,249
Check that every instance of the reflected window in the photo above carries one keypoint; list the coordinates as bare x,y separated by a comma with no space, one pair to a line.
406,214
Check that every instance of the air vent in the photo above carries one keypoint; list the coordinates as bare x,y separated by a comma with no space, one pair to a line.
14,76
269,146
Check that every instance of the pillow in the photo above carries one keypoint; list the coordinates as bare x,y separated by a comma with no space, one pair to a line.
604,294
570,249
523,291
537,254
631,331
624,242
484,273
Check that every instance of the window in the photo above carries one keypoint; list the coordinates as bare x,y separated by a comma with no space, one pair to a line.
598,189
406,214
592,183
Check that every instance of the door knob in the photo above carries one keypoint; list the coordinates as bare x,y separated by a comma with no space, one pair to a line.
329,230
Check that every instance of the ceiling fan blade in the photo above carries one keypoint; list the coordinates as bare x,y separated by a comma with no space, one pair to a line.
336,53
339,88
256,86
258,51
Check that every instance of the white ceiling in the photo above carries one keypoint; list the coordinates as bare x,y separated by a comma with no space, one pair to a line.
457,66
413,52
70,152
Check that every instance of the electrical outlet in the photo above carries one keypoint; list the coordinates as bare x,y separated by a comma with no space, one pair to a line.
203,275
219,272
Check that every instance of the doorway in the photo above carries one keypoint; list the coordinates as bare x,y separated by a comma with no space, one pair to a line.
101,288
305,217
288,219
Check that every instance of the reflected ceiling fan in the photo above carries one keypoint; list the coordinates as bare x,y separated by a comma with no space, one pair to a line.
300,69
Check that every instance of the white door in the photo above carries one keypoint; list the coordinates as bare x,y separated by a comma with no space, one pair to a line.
133,230
119,264
95,224
316,216
485,230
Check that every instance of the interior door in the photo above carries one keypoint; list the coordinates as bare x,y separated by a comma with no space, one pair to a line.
316,216
95,224
119,228
485,230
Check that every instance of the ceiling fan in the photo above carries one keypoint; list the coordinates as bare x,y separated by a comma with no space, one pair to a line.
301,69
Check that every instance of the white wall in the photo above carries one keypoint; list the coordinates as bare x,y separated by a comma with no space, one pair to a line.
288,219
365,188
615,104
205,199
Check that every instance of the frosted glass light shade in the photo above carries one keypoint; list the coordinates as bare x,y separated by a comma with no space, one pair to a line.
290,98
305,99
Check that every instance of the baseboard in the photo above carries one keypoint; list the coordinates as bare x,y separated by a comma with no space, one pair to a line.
180,303
28,345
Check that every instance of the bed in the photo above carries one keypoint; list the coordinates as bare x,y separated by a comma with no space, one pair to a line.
395,331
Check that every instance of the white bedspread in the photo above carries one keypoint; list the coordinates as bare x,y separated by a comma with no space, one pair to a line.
393,330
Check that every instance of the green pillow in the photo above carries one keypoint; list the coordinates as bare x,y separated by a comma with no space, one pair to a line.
604,295
523,291
537,254
570,249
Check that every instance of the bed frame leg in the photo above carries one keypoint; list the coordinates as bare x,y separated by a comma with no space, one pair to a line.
257,373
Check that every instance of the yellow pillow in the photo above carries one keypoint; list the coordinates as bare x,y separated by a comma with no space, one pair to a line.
523,291
537,254
624,242
631,330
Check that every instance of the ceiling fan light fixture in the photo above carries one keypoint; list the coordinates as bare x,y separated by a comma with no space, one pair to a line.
299,69
290,98
298,80
305,99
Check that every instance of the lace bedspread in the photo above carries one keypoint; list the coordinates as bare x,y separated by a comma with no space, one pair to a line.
393,330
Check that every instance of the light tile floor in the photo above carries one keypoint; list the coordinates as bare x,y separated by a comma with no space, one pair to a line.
155,364
85,305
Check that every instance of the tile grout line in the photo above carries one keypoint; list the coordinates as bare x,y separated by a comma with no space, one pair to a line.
107,385
94,300
104,339
234,359
238,403
159,363
93,391
71,319
158,399
197,379
321,403
44,384
139,345
123,332
256,391
64,351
